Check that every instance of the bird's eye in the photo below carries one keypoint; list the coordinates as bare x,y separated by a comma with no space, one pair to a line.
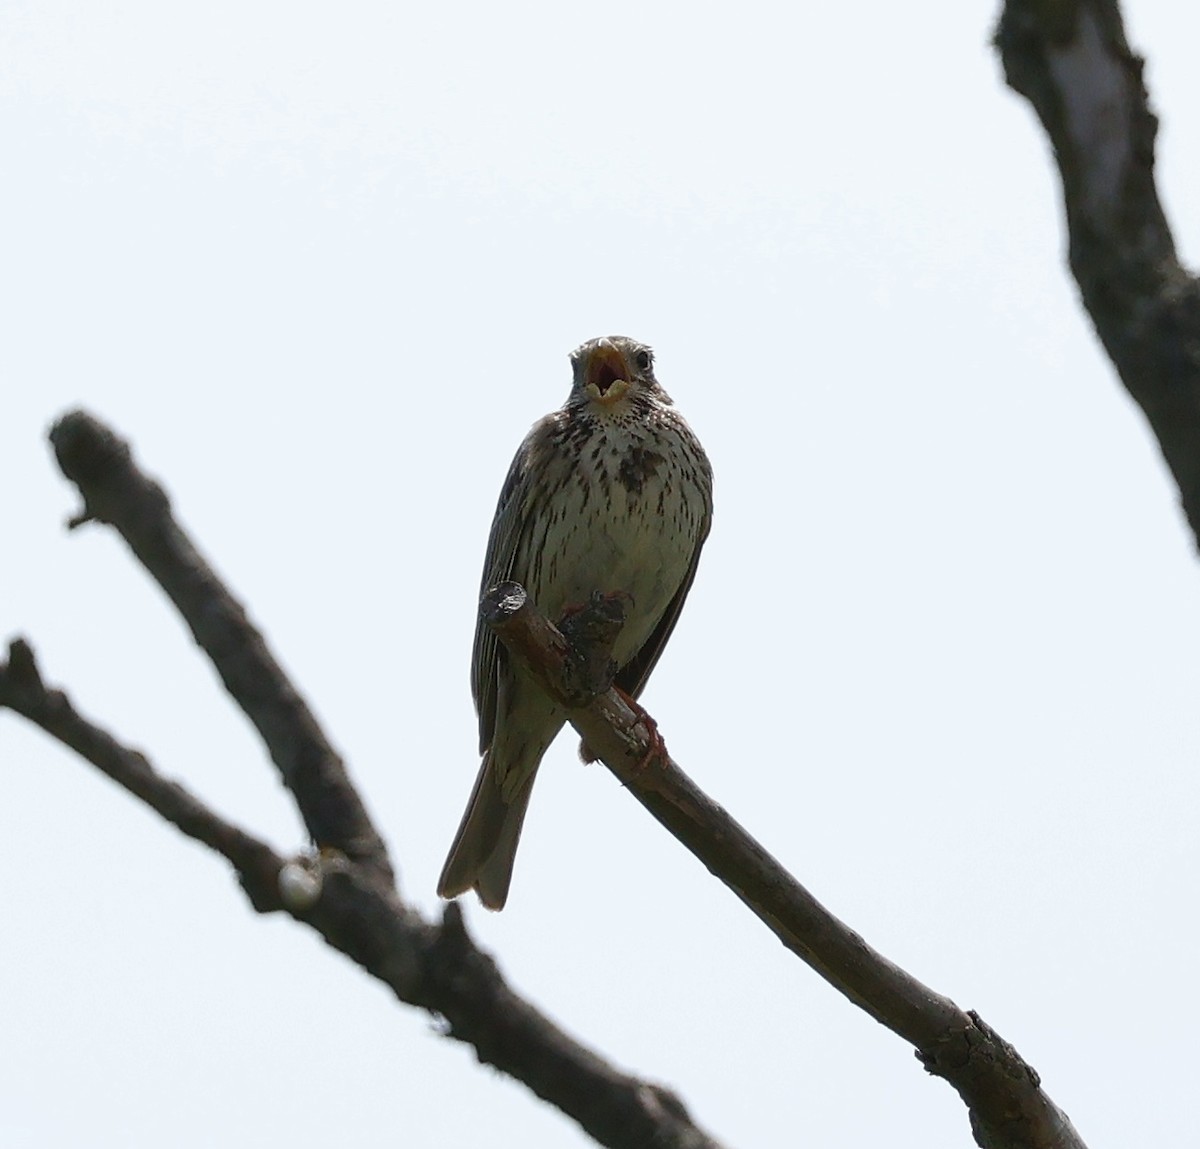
643,360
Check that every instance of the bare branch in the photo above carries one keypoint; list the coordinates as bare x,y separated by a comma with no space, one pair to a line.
1071,60
22,691
115,491
1007,1106
356,910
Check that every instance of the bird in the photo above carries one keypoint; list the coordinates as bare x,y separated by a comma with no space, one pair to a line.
610,494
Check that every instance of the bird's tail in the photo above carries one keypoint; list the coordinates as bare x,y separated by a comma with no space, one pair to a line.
485,846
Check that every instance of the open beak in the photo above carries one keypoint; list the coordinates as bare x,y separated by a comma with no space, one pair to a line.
606,377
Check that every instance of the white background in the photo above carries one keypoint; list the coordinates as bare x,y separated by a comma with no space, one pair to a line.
324,265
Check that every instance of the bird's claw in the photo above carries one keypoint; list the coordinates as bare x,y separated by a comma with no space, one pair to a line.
657,750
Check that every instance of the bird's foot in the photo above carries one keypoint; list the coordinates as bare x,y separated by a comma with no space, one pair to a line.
570,611
616,603
657,750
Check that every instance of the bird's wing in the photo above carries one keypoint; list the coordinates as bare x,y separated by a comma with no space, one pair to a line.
633,675
511,522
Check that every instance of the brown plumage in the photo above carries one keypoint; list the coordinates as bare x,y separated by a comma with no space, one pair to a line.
612,493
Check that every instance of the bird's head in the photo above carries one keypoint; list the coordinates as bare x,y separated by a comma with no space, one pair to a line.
613,369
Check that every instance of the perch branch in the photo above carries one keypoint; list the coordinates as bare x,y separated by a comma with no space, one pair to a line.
1003,1094
1071,60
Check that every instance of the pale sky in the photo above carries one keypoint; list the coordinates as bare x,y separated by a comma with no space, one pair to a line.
324,267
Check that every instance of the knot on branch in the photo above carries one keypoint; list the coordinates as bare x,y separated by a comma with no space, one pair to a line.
100,464
1001,1089
21,668
21,686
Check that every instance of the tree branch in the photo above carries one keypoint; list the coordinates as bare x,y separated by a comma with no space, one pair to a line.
116,492
1006,1103
1071,60
23,692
